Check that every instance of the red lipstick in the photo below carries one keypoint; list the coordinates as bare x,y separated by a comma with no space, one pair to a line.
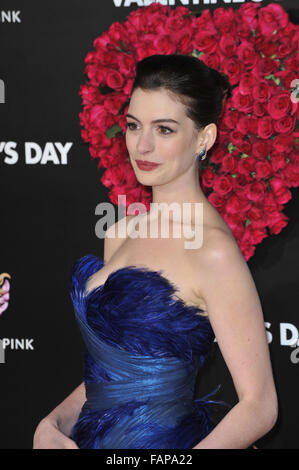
146,166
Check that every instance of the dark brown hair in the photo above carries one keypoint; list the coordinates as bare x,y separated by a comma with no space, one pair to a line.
200,88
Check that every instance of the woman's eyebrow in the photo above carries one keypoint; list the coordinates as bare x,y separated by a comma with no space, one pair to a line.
156,120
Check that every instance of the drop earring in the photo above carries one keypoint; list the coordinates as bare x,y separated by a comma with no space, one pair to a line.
202,155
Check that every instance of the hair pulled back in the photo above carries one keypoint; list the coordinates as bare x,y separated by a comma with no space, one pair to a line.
199,87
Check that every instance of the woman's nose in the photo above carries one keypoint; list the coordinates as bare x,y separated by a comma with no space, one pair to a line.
145,142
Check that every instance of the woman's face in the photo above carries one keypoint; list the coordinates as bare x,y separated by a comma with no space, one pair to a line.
174,145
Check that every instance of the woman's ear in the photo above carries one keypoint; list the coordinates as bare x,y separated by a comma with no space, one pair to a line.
207,137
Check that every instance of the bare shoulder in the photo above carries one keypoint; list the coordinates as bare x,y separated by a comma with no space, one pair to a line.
115,236
218,255
218,244
221,246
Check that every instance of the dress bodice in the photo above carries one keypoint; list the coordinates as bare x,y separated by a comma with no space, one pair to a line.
144,347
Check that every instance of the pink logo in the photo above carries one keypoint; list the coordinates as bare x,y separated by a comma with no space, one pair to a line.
4,291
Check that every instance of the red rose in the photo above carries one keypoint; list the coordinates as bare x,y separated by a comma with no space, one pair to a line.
243,31
278,161
252,126
242,144
283,144
227,45
286,77
204,22
96,78
253,235
236,205
114,79
295,36
90,94
247,13
144,19
98,137
287,34
261,91
98,116
178,20
284,50
241,102
208,177
164,44
114,102
223,185
272,18
247,125
263,170
217,155
126,65
246,84
256,216
246,165
211,60
234,220
265,127
102,41
256,191
117,31
291,174
113,176
247,250
277,222
269,205
216,200
233,69
292,62
240,183
144,49
205,41
285,124
259,109
224,20
128,87
261,148
108,58
131,36
281,192
268,48
294,155
258,232
264,67
279,105
231,118
229,163
247,54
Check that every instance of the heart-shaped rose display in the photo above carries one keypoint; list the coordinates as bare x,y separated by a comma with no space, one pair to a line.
255,159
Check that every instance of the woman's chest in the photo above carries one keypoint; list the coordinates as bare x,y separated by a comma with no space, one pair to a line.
167,256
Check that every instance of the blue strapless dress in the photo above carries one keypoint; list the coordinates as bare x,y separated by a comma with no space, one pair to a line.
144,347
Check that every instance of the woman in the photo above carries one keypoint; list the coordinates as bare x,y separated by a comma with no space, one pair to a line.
149,312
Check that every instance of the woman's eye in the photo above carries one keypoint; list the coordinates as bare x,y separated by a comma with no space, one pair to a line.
130,124
167,129
164,130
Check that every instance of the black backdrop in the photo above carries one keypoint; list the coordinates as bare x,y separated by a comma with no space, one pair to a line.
48,221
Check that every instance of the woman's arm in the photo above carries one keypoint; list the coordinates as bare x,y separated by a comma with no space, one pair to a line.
236,316
52,432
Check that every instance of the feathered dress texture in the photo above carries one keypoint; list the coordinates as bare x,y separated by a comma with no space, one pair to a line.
144,347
